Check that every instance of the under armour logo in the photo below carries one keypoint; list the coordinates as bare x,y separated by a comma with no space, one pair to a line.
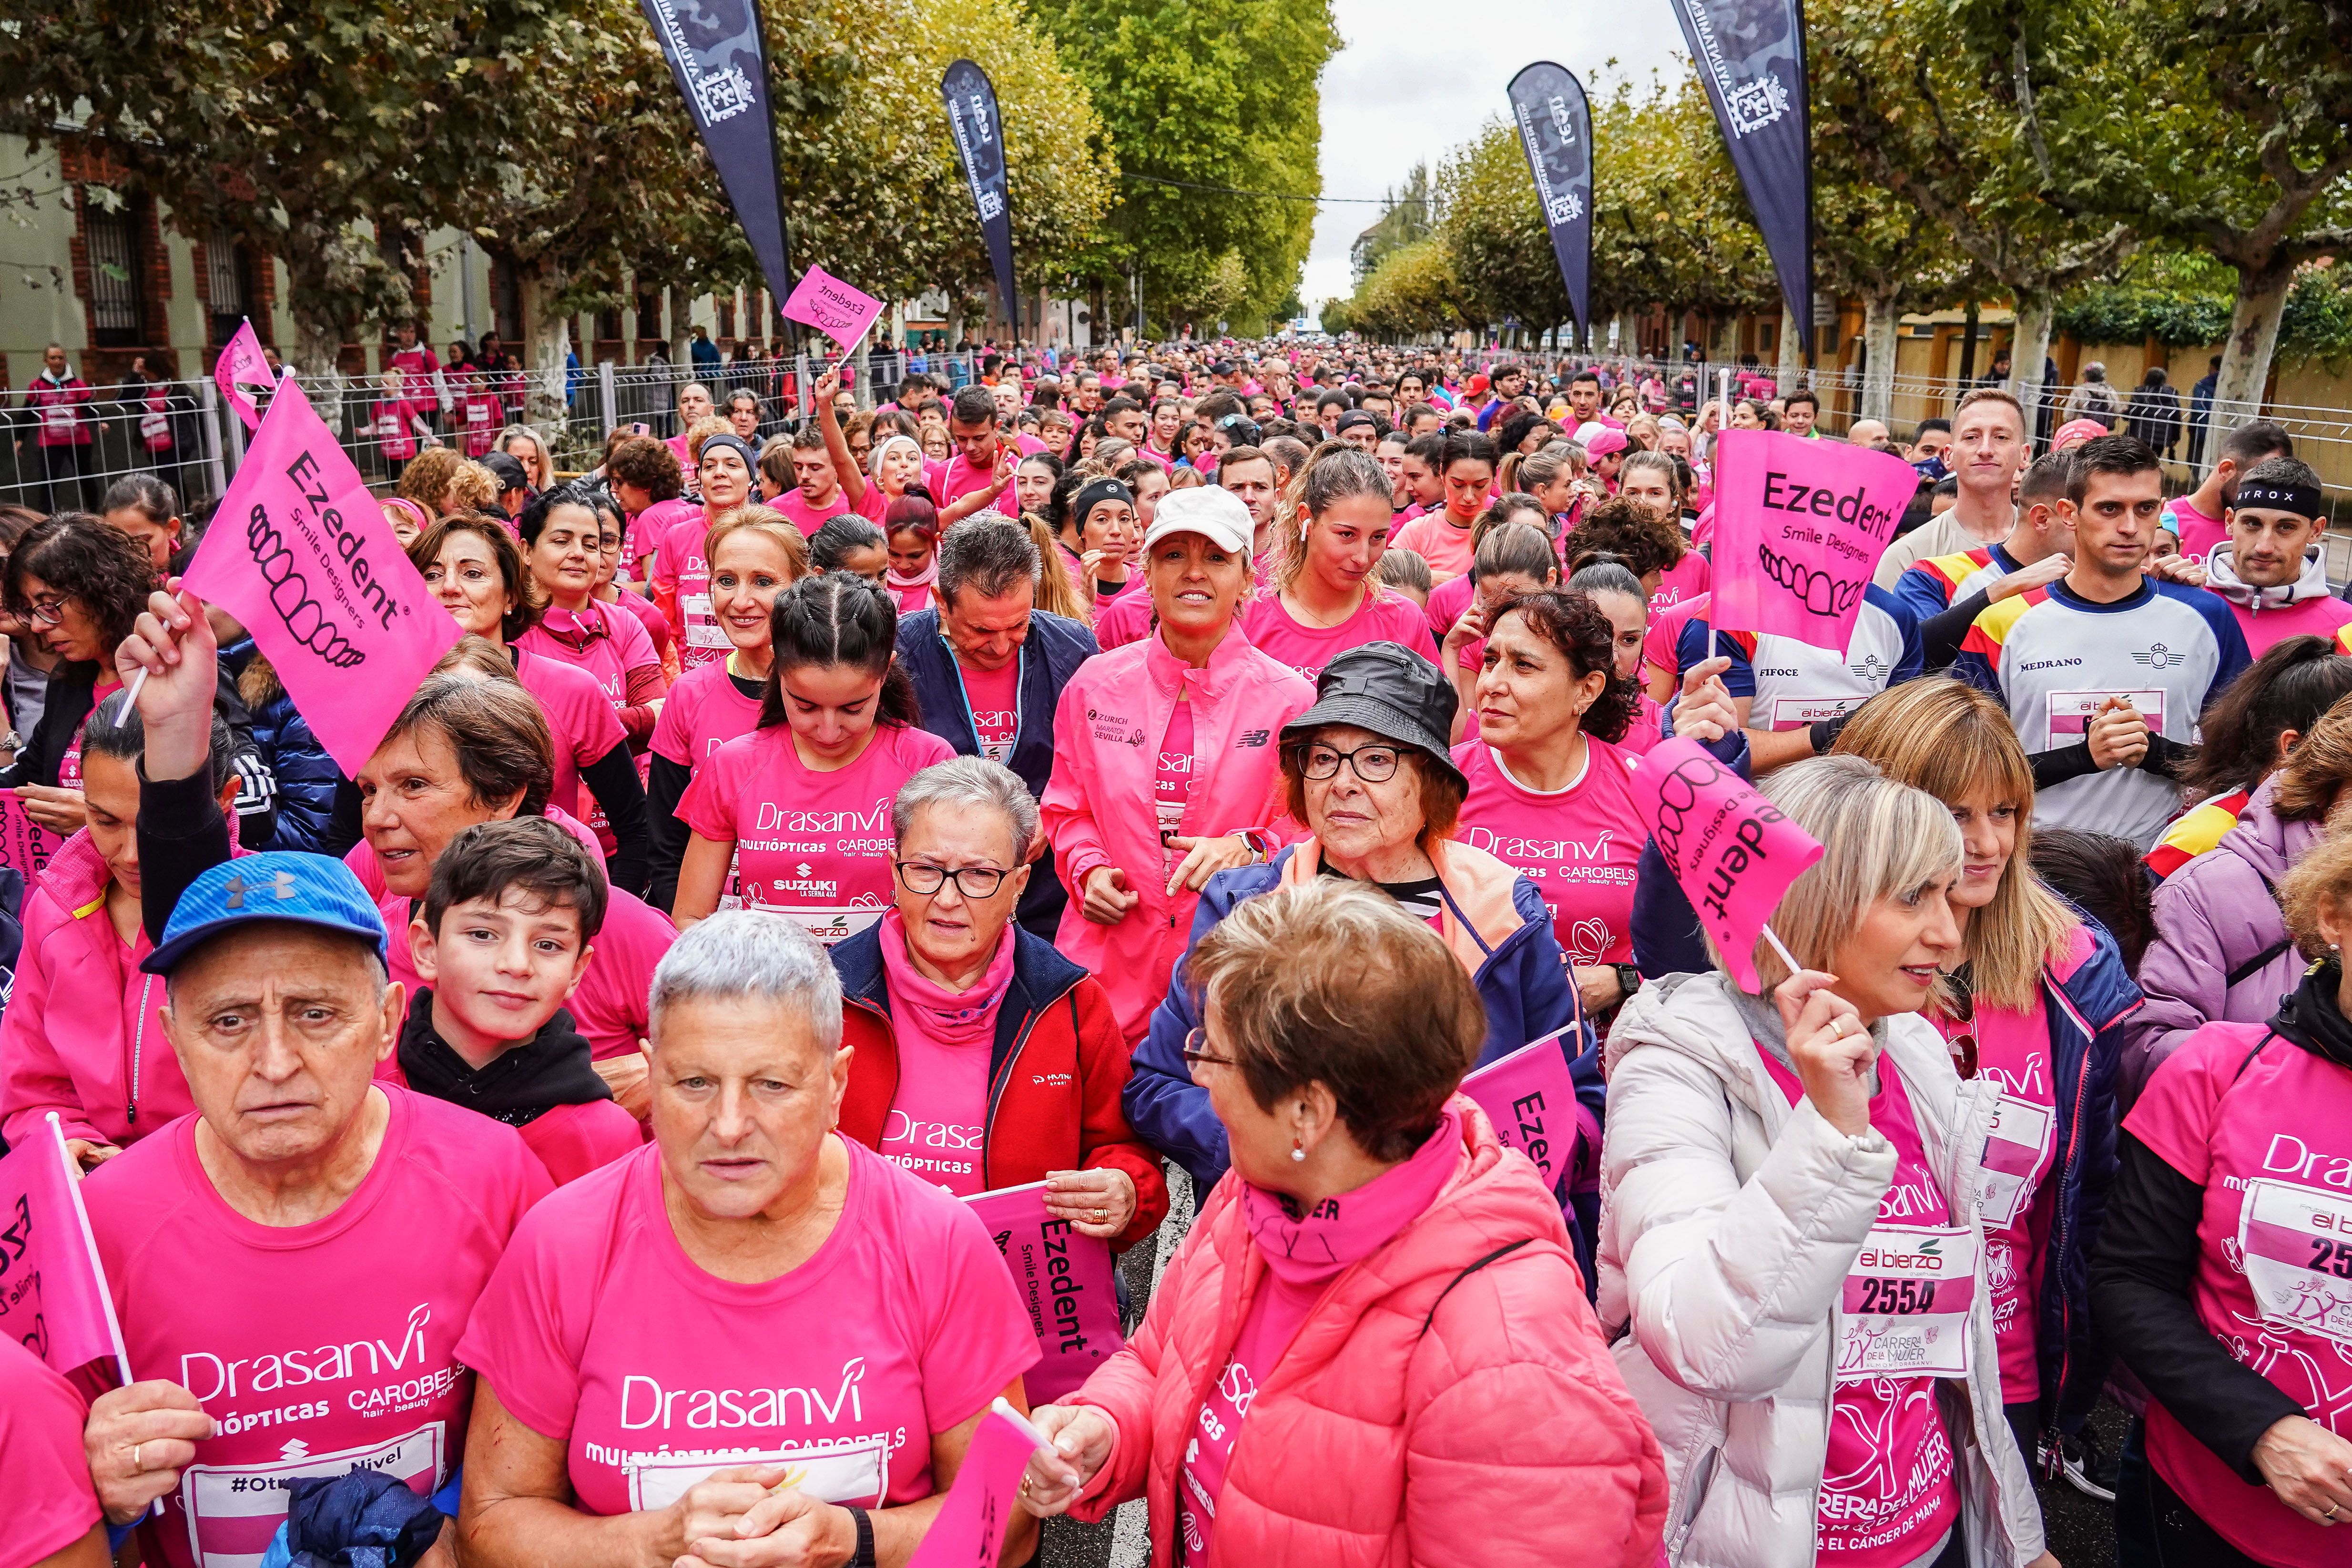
2159,657
280,886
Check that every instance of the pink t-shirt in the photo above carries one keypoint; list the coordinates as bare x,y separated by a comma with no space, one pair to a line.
1685,579
814,845
1648,726
1659,650
1384,616
1434,537
1336,1236
1887,1493
2198,533
1447,602
600,1332
1580,845
2324,617
705,710
613,642
808,519
953,480
579,721
685,451
685,570
51,1503
1171,776
995,698
1125,619
649,531
938,1123
2268,1134
2017,1204
316,1347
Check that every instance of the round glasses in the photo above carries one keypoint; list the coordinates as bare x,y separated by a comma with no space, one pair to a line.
972,881
1373,764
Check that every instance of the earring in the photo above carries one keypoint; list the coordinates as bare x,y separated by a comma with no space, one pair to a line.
1297,1154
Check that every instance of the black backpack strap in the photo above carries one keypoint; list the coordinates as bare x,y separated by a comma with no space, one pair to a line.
2257,963
1497,1255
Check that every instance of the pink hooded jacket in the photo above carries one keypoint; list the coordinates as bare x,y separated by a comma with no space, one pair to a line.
1097,807
1449,1400
84,1031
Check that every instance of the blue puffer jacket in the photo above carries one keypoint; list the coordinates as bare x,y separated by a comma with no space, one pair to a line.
302,775
1520,975
1056,646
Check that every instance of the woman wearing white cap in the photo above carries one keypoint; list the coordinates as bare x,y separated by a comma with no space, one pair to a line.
1164,766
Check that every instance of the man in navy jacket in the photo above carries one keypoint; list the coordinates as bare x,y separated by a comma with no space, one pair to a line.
989,666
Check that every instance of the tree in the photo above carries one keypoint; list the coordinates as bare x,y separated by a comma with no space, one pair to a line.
1406,215
1217,93
1415,290
316,140
1669,223
1495,235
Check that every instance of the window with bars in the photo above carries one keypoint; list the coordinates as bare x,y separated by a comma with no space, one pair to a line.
649,322
117,316
227,285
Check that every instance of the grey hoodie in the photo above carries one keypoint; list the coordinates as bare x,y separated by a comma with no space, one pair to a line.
2221,576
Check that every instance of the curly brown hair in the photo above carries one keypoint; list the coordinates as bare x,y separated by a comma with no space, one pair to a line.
102,569
1638,537
649,464
1569,620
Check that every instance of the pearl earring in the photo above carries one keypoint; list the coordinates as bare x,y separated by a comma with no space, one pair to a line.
1297,1154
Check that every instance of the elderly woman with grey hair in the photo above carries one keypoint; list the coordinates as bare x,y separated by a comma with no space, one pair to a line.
983,1058
754,1342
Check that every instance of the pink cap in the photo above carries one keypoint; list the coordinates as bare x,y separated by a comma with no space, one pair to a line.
2074,432
1606,442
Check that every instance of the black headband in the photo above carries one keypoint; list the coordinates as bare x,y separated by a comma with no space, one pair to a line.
2303,500
1096,492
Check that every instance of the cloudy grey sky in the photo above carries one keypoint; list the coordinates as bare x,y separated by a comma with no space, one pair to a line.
1418,76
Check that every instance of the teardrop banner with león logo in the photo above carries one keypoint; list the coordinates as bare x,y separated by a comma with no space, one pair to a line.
300,554
1799,528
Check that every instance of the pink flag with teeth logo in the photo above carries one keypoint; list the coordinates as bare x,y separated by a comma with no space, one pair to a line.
240,365
1799,528
300,554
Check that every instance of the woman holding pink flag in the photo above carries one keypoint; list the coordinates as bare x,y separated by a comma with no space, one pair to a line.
1375,1337
1812,1133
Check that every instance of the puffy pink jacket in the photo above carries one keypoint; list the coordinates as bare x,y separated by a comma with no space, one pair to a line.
1447,1401
1097,807
84,1031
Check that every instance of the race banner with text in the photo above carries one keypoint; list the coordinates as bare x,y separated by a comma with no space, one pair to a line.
717,53
1799,528
1064,1280
53,1298
1751,55
1732,851
1556,131
980,145
299,553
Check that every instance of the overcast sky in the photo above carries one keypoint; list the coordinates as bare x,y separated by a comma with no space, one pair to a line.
1418,76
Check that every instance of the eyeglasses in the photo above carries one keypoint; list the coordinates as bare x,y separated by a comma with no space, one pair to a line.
972,881
1373,764
1196,1056
49,611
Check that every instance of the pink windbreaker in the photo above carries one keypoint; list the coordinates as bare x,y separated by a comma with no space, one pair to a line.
1097,807
1465,1398
84,1031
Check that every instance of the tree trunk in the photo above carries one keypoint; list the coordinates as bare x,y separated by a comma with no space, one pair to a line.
2029,351
1793,362
681,325
2254,339
549,336
1881,325
317,345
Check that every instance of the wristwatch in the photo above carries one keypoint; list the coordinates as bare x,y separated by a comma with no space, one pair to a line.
1628,980
864,1556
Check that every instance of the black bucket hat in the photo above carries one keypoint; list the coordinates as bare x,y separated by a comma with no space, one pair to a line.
1389,689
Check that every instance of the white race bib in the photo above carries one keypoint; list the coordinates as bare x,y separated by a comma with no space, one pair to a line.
702,628
1796,712
2296,1242
2014,1150
2070,713
857,1473
1907,1303
829,923
154,426
234,1510
57,418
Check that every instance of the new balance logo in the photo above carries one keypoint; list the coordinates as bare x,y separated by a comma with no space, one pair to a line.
1253,738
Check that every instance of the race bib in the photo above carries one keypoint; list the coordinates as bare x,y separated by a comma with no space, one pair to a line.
829,923
478,414
1796,712
154,426
57,418
2014,1150
2071,711
856,1473
2297,1246
702,629
1907,1303
234,1510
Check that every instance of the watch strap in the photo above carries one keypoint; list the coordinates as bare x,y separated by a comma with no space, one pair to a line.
864,1556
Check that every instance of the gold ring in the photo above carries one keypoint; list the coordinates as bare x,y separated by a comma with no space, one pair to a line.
2329,1517
136,1468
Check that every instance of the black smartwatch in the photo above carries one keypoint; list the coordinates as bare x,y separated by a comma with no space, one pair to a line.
864,1556
1628,980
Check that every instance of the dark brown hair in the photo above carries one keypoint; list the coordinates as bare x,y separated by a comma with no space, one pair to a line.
529,853
104,569
525,612
836,618
647,464
1569,620
1643,540
496,731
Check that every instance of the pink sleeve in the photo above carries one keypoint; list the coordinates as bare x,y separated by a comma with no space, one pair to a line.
2174,1116
980,1334
1122,1388
1068,818
515,1338
674,730
708,804
590,723
51,1503
33,1077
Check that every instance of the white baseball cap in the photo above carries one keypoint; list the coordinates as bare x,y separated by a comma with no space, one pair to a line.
1218,515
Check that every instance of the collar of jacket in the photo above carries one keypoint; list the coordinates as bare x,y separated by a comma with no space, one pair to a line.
2311,583
1227,662
1481,889
1040,973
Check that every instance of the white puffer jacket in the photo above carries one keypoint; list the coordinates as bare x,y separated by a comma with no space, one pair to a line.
1728,1222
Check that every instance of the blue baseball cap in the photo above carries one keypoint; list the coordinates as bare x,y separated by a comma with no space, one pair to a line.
280,885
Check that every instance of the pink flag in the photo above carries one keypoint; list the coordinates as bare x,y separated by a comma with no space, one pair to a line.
1530,1097
845,314
53,1298
240,365
25,844
1064,1280
300,554
969,1531
1799,528
1733,851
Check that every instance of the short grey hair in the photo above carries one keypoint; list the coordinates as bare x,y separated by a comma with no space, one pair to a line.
988,557
1881,838
751,955
968,781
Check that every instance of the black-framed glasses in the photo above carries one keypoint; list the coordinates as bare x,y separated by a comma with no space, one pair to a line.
48,612
972,881
1373,764
1196,1053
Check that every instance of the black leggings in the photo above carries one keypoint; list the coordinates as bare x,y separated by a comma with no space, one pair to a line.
2183,1540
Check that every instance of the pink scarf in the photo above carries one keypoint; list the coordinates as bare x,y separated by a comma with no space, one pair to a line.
948,1017
1313,1248
576,630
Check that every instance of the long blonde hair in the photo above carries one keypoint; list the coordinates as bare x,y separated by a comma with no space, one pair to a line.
1058,593
1952,740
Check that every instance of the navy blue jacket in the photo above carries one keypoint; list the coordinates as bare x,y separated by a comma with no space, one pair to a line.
306,776
1056,646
